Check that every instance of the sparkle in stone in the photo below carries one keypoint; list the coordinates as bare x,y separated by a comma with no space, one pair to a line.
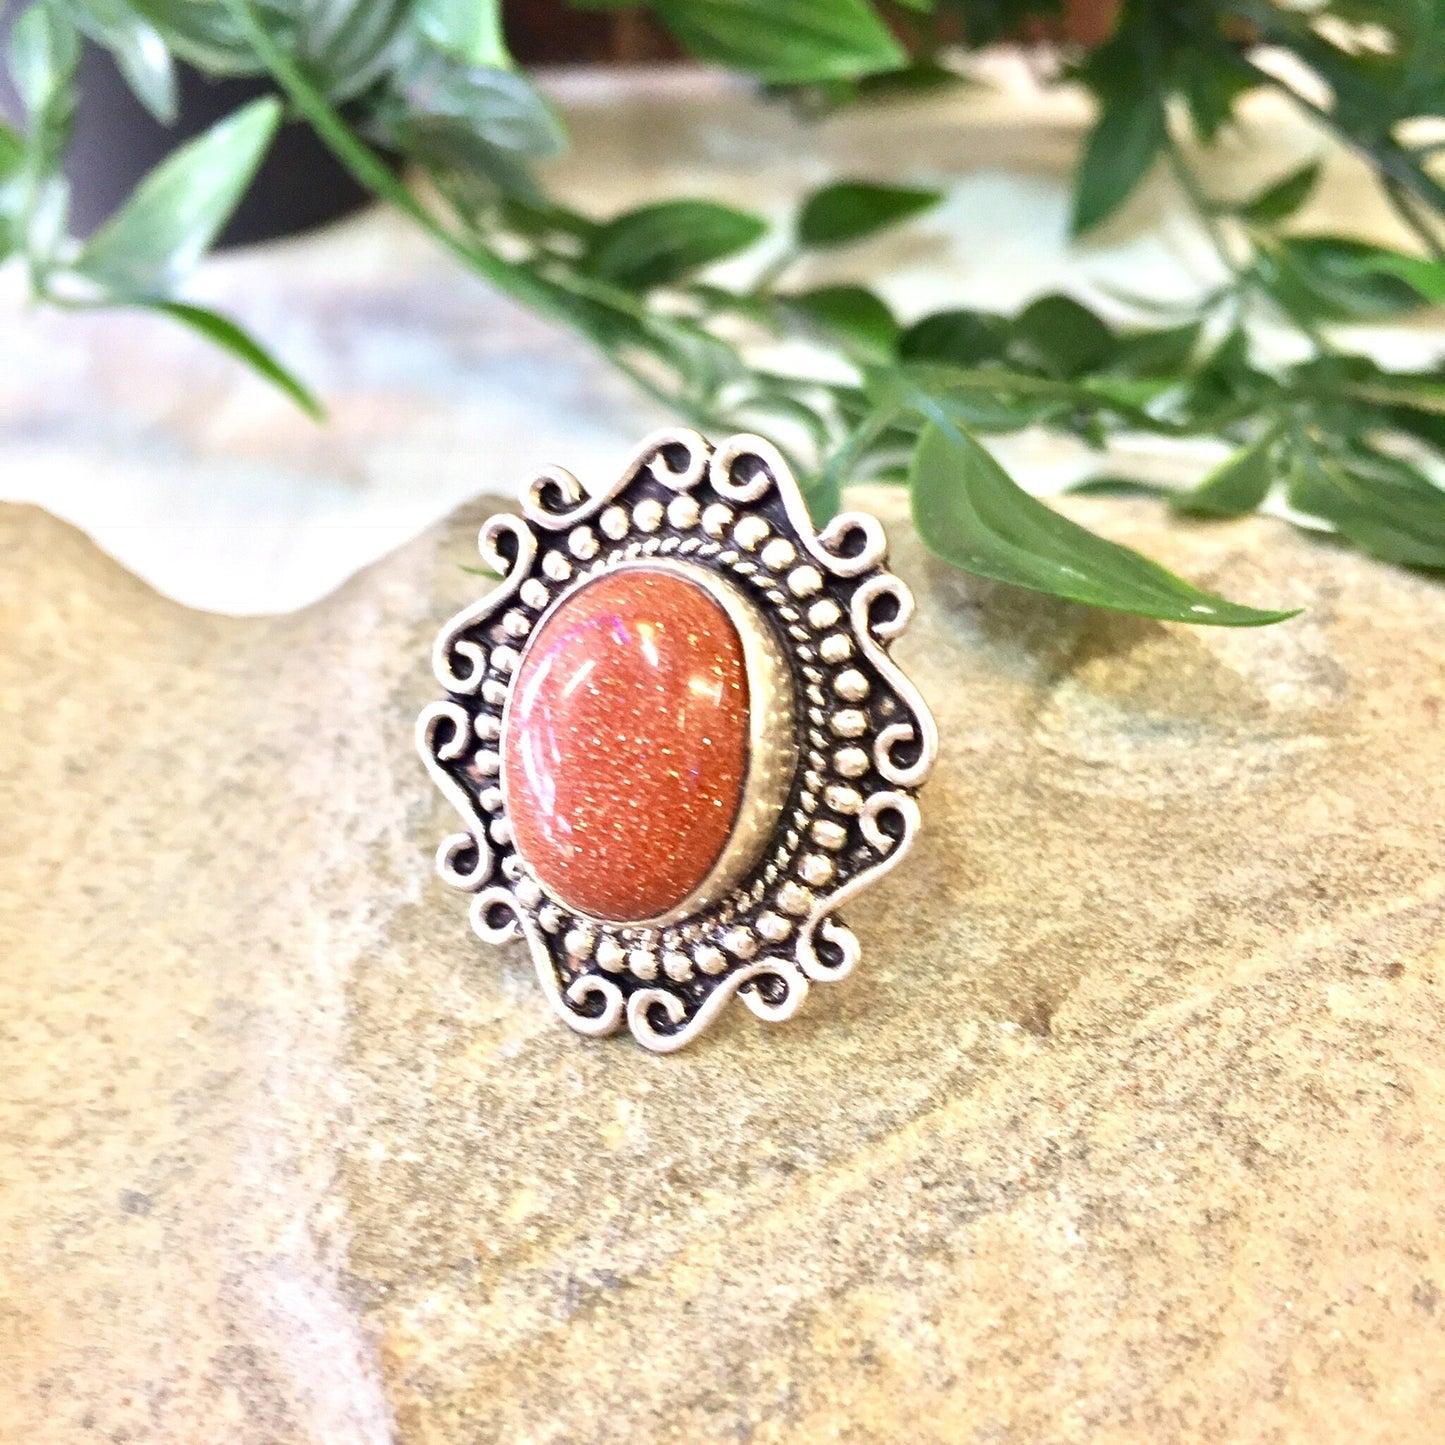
625,748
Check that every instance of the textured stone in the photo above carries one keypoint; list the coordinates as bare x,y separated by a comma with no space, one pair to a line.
1128,1127
626,744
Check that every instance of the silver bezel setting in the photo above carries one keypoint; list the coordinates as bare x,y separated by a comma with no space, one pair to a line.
835,757
772,735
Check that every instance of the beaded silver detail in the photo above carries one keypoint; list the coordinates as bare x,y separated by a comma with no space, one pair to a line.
865,740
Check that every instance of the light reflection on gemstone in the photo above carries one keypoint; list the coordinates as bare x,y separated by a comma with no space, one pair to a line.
625,745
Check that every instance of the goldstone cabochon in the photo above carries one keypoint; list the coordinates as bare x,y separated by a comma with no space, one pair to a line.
1128,1129
625,748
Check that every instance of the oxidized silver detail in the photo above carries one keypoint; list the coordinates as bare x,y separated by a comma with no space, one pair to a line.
818,606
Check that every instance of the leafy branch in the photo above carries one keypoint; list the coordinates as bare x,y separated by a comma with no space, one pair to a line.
1333,438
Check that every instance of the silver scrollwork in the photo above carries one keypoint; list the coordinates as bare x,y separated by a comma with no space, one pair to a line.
859,738
891,849
920,730
433,754
512,571
556,501
682,1029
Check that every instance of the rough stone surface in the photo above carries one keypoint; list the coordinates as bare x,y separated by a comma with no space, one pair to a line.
626,744
1128,1127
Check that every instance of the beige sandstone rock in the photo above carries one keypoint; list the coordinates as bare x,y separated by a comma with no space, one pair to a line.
1127,1128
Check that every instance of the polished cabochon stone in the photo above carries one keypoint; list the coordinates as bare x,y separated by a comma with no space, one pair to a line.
625,744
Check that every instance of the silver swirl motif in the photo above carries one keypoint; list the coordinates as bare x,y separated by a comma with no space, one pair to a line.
433,757
892,851
868,632
827,547
695,462
667,1041
569,1004
871,552
450,643
555,482
726,457
835,933
579,507
488,902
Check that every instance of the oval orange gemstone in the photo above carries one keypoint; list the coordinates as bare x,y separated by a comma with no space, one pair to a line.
625,749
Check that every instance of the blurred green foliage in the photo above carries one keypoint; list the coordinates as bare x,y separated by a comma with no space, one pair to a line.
1335,438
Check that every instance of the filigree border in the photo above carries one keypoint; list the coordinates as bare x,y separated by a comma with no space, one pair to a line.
866,739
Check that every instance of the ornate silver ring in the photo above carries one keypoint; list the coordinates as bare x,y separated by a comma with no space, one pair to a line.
675,738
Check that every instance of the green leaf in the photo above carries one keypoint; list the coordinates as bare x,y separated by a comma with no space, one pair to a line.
1163,352
1334,278
177,211
230,337
1425,277
660,244
1125,394
1368,462
1118,154
12,151
760,308
857,317
201,32
977,408
1210,82
1109,485
923,76
1425,426
498,105
788,42
1238,485
1227,379
471,171
140,53
972,514
547,219
1062,337
1279,201
964,338
1402,525
44,51
348,45
851,210
1412,390
1003,402
1353,276
471,30
443,110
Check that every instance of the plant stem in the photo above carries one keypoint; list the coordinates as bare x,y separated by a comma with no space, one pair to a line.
1389,160
372,173
773,272
519,282
1204,207
1404,203
853,448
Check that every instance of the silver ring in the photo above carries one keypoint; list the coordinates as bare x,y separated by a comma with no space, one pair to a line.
675,738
